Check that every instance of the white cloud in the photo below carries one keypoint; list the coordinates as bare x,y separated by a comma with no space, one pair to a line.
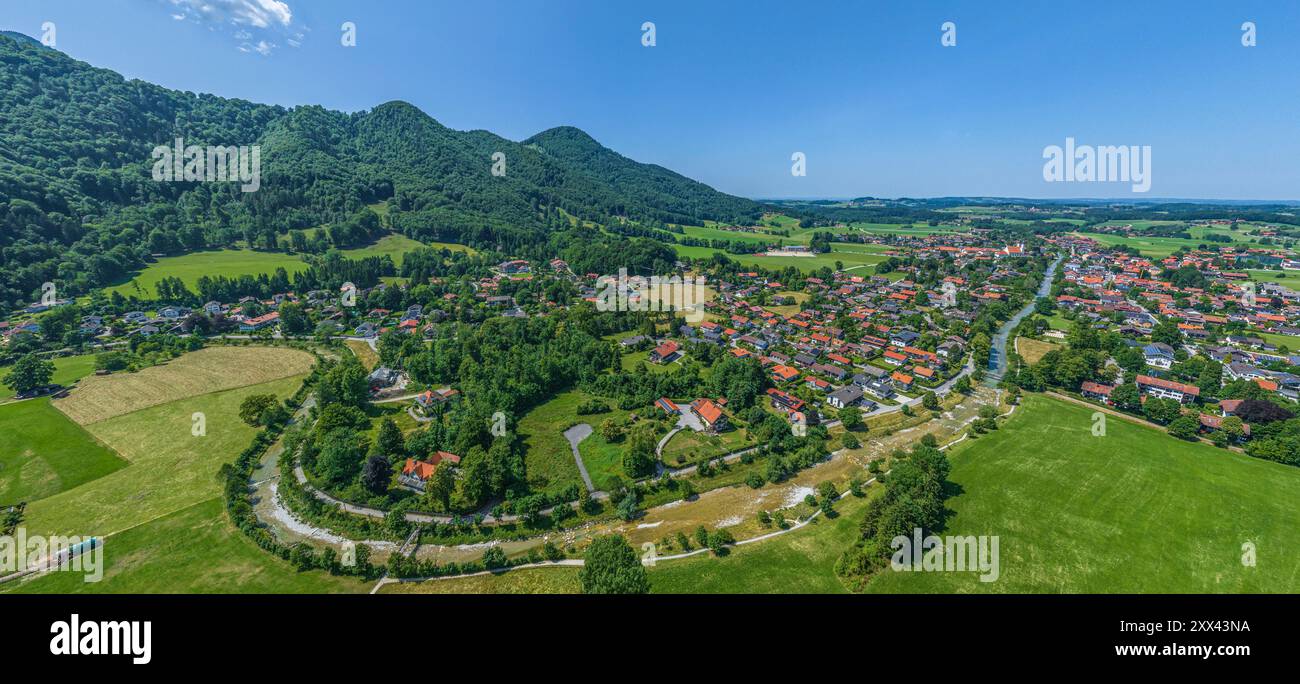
255,24
262,48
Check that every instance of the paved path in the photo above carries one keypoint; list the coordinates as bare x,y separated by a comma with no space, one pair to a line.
390,400
575,435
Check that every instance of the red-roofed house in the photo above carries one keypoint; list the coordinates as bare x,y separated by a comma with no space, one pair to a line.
664,353
417,473
1168,389
1096,390
710,414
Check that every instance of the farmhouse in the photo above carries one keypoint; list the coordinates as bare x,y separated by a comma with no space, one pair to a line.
1168,389
667,406
513,266
260,322
417,473
710,414
665,353
427,400
1096,390
783,401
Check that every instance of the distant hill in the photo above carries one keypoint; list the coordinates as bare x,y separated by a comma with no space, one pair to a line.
78,204
21,38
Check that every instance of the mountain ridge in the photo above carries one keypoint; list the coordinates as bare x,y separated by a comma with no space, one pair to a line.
78,204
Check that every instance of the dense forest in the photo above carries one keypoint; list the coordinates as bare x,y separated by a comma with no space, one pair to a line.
79,206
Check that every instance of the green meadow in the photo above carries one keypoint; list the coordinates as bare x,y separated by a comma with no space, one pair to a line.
192,550
799,562
231,263
43,452
861,258
67,370
170,468
550,462
395,246
1132,511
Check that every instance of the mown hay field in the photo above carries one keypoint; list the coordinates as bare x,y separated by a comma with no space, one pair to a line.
170,468
100,397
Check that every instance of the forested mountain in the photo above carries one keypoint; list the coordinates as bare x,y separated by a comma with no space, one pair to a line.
78,205
641,184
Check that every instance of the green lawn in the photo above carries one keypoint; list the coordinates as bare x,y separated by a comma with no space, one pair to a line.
603,459
920,229
67,370
231,263
395,245
860,258
193,550
1290,279
549,461
1291,342
798,562
169,469
561,579
695,446
1158,247
1133,511
43,452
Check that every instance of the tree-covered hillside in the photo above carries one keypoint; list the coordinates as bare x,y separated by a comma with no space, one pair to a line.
78,205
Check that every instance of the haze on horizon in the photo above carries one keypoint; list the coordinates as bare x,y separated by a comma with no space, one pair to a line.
727,94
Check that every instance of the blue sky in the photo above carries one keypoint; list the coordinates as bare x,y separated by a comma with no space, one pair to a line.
732,89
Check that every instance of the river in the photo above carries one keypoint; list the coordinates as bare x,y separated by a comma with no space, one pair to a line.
998,354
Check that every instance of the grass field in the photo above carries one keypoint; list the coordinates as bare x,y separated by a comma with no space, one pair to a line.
548,458
557,580
395,245
901,229
364,353
207,370
1290,279
44,453
231,263
1033,350
193,550
799,562
1160,247
67,370
1290,342
855,260
170,468
698,445
603,459
1133,511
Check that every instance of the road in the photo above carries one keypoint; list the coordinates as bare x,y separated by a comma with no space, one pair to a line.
575,435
